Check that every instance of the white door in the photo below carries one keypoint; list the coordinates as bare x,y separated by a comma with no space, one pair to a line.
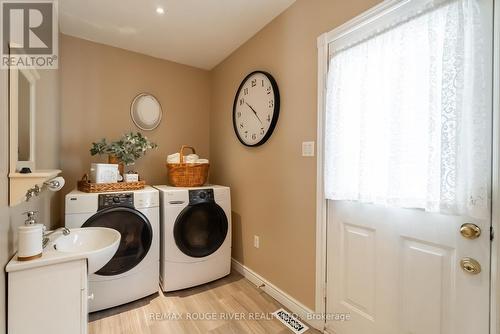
395,270
398,271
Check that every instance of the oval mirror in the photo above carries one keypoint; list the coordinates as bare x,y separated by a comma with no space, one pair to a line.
146,112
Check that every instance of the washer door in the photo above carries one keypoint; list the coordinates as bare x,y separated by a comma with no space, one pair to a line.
137,236
200,229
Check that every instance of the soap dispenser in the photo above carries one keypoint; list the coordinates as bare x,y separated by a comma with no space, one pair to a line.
30,238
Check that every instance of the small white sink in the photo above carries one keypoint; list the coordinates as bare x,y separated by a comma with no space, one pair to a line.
98,244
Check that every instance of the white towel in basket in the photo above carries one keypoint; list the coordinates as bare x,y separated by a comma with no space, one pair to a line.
191,158
174,158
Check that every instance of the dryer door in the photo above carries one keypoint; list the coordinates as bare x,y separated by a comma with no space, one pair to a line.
137,236
200,229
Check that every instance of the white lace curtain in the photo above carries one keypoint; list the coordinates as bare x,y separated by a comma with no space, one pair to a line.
408,122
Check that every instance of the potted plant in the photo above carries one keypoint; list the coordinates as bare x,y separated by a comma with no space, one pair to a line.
124,151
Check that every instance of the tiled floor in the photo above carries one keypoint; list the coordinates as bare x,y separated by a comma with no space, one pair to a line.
231,305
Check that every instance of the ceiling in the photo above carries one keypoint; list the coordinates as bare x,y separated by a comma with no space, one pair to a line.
199,33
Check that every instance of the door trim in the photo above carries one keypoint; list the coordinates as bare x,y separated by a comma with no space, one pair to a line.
495,182
321,203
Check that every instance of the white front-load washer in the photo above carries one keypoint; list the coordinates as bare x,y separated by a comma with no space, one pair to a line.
133,271
195,245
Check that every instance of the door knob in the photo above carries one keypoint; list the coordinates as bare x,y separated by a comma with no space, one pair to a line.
470,266
470,231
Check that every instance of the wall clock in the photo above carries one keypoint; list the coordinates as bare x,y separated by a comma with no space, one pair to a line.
256,108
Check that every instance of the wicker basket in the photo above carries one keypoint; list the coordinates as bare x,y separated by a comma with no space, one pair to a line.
86,186
187,175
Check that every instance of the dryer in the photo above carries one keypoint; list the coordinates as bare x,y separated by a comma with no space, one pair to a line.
133,271
195,245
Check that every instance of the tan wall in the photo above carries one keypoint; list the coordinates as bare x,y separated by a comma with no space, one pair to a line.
273,187
99,82
47,134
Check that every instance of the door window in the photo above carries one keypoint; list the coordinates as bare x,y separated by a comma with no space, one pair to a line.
200,229
136,237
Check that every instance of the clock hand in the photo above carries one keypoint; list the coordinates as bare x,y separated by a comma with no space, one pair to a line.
255,113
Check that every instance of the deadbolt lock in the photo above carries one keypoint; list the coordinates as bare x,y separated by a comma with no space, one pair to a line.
470,266
470,231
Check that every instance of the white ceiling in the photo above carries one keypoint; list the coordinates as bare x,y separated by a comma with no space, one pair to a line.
199,33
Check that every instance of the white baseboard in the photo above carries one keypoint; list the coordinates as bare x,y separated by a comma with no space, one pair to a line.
292,304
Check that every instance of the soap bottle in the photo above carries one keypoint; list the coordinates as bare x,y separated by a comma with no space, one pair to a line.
30,238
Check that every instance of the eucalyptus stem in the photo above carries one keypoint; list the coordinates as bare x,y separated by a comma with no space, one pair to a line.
127,149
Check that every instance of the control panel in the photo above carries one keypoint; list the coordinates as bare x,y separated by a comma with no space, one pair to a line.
201,196
109,200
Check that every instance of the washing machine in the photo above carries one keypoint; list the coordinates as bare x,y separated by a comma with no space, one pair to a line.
133,272
195,226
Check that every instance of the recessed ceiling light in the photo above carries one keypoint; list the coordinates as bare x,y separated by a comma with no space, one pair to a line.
160,10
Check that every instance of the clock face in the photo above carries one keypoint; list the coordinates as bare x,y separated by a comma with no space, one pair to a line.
256,108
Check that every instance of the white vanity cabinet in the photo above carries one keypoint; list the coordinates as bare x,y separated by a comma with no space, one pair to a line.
48,299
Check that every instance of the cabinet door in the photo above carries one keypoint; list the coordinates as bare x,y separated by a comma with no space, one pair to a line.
84,297
49,299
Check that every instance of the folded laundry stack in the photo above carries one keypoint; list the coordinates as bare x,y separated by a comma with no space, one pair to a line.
189,159
174,158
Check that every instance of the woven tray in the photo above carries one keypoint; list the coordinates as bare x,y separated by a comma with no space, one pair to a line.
86,186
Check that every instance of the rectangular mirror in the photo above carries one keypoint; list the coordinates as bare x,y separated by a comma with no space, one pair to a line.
26,120
22,86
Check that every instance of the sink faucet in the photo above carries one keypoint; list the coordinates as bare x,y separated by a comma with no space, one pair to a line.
30,217
35,191
65,231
